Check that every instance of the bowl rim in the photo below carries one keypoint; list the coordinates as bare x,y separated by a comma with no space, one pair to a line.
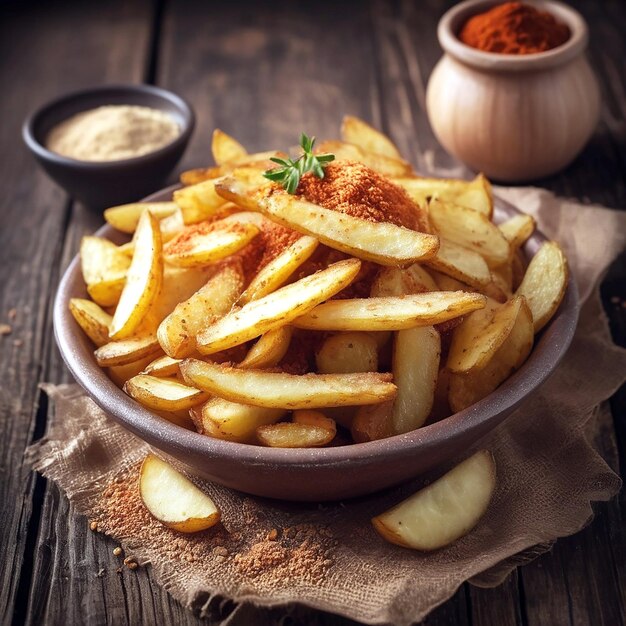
39,149
77,352
451,21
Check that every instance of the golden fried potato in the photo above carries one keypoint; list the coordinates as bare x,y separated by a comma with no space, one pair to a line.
225,148
92,319
198,202
346,353
269,350
163,394
361,134
294,435
460,263
126,351
125,217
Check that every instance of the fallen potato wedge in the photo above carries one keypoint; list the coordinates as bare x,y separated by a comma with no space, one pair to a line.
143,281
416,357
225,148
163,366
276,273
392,313
125,351
177,332
163,394
460,263
104,267
287,391
381,163
195,246
470,387
383,243
92,319
480,334
198,202
125,217
544,283
277,308
361,134
269,350
347,353
445,510
294,435
173,499
468,228
517,229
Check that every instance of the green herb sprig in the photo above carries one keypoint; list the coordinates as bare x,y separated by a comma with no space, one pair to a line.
289,172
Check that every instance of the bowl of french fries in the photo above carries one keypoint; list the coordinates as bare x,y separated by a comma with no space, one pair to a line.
282,343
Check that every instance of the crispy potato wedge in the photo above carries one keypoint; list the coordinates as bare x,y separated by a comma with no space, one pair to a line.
287,391
143,281
178,331
468,388
173,499
171,225
383,243
474,195
104,267
545,282
395,281
125,351
276,273
416,357
468,228
460,263
277,308
233,421
373,422
258,161
198,202
294,435
119,374
346,353
163,367
517,229
381,163
361,134
269,350
92,319
225,148
447,283
196,248
390,313
314,418
480,334
163,394
125,217
445,510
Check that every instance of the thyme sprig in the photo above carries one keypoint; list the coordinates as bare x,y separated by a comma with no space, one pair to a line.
289,172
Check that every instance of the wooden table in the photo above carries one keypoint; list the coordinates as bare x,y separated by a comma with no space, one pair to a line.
263,74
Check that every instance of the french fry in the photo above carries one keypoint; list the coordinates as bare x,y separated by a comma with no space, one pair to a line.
92,319
517,229
395,281
269,350
143,281
163,394
391,313
225,148
278,308
198,202
287,391
346,353
383,243
293,435
126,351
276,273
461,263
125,217
544,283
357,132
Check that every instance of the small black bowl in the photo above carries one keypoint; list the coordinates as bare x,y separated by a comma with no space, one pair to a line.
100,184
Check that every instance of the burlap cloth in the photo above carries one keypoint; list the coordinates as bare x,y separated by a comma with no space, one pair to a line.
329,556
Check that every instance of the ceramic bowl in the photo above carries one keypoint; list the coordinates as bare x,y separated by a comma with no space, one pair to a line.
313,474
514,117
107,183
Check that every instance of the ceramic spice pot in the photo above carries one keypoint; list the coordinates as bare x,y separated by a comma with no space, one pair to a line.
514,117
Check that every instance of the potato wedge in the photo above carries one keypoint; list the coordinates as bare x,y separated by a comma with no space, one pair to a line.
195,247
163,394
518,229
259,161
373,422
104,267
460,263
346,353
173,499
125,351
361,134
163,366
445,510
468,228
276,273
269,350
381,163
391,313
198,202
480,334
177,332
294,435
475,194
281,390
225,148
468,388
143,281
416,357
119,374
171,225
395,281
92,319
314,418
383,243
125,217
544,283
278,308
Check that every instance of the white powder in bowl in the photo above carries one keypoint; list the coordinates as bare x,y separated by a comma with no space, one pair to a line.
113,132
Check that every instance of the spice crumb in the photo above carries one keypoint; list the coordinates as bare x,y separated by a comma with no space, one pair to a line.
117,551
5,329
128,560
132,565
272,535
12,314
100,573
93,525
220,551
